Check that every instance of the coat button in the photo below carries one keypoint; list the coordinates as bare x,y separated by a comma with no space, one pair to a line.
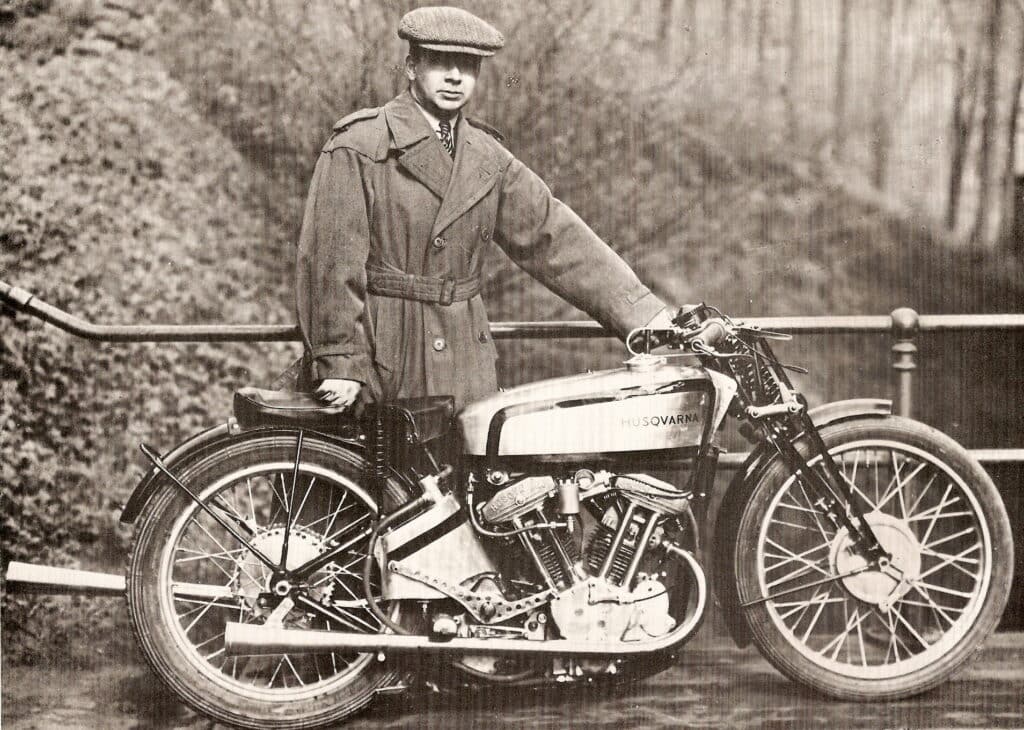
485,233
439,344
483,338
440,243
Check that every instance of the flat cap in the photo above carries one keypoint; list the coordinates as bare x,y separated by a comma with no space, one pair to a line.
452,30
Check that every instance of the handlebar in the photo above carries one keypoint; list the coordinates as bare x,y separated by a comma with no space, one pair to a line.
697,329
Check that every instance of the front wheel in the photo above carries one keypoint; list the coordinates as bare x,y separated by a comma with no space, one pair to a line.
188,576
865,632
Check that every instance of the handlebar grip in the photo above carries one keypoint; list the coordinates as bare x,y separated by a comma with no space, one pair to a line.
713,331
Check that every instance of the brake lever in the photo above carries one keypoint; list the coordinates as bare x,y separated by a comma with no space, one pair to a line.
701,349
767,334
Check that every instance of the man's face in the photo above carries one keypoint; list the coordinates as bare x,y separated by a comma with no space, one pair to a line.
442,82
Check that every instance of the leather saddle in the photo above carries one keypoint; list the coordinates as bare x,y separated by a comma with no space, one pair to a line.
412,421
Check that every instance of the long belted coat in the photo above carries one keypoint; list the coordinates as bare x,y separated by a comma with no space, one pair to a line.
386,195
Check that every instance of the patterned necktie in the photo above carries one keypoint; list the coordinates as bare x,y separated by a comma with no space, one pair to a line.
445,128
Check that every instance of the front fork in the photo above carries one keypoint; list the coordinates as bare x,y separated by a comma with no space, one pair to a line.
832,495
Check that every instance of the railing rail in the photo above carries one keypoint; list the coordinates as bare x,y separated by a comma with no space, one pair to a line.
899,322
903,324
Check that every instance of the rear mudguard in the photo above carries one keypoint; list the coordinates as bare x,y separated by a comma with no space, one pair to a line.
196,447
731,500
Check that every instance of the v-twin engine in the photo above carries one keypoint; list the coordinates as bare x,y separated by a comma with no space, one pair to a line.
607,563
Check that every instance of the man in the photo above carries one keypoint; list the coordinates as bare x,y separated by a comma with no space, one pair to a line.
403,201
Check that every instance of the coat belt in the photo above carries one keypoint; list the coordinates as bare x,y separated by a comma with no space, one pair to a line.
440,290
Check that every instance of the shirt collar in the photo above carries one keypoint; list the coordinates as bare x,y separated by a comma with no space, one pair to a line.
431,119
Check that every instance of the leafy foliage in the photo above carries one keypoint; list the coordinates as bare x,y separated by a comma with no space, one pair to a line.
118,204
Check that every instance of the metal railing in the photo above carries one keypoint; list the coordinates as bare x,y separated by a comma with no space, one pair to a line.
903,324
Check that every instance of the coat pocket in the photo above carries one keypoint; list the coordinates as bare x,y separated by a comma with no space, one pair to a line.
385,315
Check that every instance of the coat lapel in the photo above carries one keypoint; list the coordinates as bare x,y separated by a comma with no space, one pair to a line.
420,153
475,173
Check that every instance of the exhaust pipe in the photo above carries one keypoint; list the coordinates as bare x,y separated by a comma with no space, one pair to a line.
256,640
43,579
28,578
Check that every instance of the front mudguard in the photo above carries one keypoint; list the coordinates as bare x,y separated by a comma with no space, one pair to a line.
732,499
196,447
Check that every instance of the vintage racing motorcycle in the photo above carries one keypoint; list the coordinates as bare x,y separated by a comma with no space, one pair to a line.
295,562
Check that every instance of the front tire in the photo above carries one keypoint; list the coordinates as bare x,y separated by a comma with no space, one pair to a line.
188,576
853,631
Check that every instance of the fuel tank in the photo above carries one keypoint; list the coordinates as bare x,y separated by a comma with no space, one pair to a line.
647,405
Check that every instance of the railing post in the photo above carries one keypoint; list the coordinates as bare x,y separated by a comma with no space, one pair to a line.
904,351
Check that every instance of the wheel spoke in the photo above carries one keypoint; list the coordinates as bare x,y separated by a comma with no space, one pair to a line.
931,545
292,666
941,589
952,560
346,528
239,563
836,644
821,607
932,604
924,491
816,514
899,616
935,517
806,565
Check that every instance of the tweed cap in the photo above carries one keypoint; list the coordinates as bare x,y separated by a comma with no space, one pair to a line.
452,30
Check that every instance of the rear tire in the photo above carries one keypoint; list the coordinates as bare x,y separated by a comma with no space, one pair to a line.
877,635
178,547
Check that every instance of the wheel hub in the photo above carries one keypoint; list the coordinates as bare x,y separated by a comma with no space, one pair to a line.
303,546
877,585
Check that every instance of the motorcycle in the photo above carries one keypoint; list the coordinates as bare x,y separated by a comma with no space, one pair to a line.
297,561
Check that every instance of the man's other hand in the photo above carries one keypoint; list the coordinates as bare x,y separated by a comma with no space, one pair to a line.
338,391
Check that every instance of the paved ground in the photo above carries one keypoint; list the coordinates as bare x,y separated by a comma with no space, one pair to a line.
714,686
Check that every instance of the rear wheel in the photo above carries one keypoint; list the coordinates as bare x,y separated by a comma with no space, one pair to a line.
862,632
188,577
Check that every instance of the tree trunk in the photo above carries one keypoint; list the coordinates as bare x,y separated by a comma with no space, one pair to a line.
726,33
963,109
793,71
960,135
840,128
762,55
1010,206
748,28
665,29
987,207
882,119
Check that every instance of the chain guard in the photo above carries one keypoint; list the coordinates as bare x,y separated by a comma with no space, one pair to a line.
484,608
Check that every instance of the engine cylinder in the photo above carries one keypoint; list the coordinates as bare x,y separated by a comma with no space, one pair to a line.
623,540
553,549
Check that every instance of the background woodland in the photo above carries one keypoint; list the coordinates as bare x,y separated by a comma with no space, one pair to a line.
772,157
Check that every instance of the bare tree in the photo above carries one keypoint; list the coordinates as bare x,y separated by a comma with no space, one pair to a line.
987,208
761,74
665,28
1009,205
840,121
793,70
727,31
965,94
881,123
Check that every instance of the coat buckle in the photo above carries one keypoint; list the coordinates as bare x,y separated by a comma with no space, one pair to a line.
447,291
